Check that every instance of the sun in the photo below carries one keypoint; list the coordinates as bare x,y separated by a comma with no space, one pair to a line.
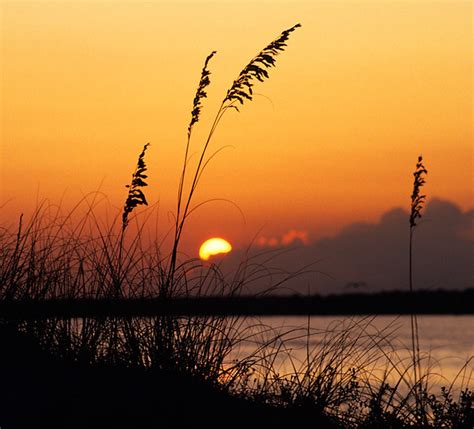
214,246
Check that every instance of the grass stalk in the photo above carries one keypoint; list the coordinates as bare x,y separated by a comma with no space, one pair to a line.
240,90
417,202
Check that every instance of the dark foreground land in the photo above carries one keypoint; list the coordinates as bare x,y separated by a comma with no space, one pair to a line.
421,302
41,391
44,389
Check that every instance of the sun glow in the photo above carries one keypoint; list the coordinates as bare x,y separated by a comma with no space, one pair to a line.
214,246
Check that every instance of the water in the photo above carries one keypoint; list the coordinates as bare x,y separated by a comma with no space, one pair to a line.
374,344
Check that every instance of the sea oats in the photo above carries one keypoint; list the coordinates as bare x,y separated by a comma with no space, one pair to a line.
417,200
241,89
136,197
200,93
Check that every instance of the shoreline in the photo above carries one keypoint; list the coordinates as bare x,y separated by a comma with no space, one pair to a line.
440,302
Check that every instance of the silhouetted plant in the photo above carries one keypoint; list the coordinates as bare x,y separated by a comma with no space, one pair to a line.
240,89
417,202
200,93
136,197
447,413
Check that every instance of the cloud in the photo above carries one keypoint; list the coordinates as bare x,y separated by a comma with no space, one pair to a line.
290,237
374,256
295,235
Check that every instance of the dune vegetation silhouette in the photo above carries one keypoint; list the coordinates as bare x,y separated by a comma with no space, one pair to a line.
178,370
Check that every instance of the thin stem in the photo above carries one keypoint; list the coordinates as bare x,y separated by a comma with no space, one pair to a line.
412,315
415,342
180,222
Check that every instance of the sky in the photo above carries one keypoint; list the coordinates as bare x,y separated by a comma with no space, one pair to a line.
330,140
370,256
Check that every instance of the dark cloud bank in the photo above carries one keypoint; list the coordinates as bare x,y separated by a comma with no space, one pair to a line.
374,257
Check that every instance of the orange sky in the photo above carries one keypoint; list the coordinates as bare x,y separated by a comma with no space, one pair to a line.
362,89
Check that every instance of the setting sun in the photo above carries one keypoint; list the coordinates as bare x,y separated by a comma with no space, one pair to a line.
214,246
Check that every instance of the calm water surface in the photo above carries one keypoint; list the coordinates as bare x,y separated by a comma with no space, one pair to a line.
446,343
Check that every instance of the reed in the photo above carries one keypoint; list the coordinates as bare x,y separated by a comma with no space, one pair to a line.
240,89
417,203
